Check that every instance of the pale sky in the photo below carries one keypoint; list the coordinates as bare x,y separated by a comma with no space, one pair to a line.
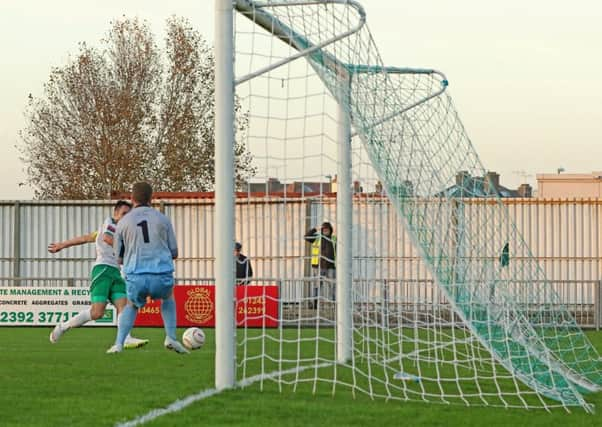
525,74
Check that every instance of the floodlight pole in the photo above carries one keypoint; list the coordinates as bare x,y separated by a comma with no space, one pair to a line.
224,196
344,266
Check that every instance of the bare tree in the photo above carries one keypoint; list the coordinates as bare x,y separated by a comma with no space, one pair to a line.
125,112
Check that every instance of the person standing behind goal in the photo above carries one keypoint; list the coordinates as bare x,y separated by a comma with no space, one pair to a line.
244,271
149,246
323,262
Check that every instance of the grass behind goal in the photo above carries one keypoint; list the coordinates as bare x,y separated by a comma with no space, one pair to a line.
75,383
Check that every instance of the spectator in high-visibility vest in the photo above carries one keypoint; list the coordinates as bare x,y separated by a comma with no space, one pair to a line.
323,261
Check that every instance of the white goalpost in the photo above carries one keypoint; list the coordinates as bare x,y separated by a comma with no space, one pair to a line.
224,200
344,260
377,153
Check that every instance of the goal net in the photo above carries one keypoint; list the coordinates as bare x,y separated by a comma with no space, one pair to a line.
427,292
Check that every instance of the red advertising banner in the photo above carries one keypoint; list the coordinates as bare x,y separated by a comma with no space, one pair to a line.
256,306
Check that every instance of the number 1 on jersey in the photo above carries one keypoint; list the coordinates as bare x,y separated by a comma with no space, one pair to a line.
144,226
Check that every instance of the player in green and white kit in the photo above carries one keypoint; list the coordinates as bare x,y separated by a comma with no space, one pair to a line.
106,283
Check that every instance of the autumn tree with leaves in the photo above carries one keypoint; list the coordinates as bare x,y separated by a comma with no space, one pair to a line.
126,112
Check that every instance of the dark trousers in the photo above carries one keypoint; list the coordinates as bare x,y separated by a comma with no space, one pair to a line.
323,284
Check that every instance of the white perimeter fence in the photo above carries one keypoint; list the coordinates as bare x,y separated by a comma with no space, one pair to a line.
564,235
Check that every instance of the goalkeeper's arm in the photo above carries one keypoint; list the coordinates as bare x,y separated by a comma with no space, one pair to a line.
76,241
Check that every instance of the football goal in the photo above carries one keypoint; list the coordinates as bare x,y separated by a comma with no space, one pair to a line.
356,161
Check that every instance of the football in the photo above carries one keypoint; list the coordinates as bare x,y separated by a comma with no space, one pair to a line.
193,338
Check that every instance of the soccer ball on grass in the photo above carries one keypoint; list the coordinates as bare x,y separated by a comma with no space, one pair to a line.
193,338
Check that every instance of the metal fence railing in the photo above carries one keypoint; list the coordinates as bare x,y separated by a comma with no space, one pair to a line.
564,236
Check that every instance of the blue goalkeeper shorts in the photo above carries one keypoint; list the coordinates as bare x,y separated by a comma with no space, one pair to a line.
140,286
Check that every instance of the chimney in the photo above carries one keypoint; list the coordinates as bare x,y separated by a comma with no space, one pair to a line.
378,188
462,178
525,190
492,178
274,185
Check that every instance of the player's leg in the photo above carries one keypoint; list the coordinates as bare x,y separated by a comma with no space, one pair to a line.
95,311
119,298
162,287
137,290
100,285
124,326
130,342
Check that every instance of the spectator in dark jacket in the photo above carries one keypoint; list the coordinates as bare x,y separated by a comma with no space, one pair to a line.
244,271
323,261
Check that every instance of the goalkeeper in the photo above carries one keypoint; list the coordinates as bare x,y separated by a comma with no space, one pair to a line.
147,241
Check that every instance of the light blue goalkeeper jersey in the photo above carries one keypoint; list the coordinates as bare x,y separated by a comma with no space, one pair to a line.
146,239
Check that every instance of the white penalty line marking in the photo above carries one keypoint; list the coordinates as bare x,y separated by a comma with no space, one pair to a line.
180,404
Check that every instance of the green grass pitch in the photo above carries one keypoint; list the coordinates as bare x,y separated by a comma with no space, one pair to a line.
76,383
